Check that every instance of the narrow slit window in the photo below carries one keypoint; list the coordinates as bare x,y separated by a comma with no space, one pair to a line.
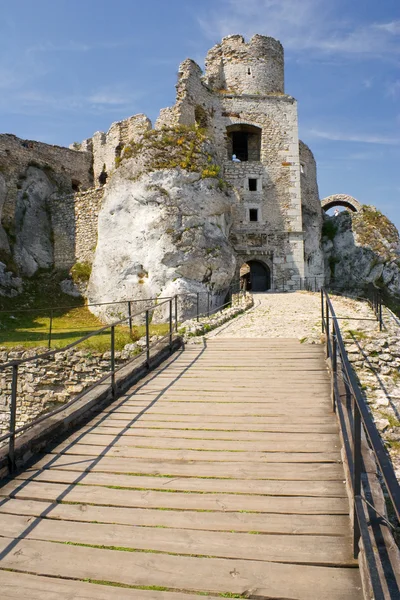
248,71
253,214
252,185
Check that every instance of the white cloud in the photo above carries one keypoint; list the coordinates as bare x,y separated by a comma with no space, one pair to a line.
364,138
304,25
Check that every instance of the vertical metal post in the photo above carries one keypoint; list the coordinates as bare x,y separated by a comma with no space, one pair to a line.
380,313
50,327
198,306
327,328
176,313
334,365
322,311
356,473
170,325
113,360
130,316
208,304
147,340
283,284
13,419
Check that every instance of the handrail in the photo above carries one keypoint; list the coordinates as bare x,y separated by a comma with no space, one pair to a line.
173,328
356,410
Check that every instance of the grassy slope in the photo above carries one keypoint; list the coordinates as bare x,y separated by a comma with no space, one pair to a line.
27,320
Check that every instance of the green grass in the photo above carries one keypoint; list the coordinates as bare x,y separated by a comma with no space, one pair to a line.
31,329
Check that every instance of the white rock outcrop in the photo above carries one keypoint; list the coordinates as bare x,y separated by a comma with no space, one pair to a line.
161,233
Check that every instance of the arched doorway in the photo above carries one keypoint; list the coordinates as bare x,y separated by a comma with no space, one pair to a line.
255,276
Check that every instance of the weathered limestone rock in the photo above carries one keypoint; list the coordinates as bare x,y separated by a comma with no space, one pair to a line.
162,233
34,247
362,248
4,245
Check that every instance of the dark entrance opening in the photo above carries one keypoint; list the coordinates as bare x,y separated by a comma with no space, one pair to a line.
240,145
244,141
255,276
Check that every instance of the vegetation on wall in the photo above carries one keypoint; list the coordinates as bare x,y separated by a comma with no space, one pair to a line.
81,271
184,146
374,229
329,229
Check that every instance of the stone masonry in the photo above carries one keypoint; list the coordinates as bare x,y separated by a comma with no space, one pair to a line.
241,104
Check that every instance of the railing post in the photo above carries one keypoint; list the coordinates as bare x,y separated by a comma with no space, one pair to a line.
197,305
208,304
380,313
322,311
334,364
113,360
356,473
147,340
315,284
130,316
50,327
170,325
13,419
176,312
327,328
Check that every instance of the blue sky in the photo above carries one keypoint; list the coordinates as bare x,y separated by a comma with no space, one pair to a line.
69,68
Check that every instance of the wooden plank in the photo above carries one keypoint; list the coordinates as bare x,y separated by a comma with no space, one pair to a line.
163,441
15,586
211,424
207,434
195,455
183,573
175,500
322,550
235,470
237,486
336,525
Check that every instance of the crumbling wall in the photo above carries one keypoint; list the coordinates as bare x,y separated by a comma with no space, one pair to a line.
312,215
107,147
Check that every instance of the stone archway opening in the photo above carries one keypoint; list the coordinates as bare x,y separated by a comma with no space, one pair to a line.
255,276
340,201
244,142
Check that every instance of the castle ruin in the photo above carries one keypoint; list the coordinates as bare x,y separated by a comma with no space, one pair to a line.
51,197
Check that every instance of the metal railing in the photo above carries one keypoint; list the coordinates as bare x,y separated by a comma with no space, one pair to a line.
356,423
194,300
374,298
309,284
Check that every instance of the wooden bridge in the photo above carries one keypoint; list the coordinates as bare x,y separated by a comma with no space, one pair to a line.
219,474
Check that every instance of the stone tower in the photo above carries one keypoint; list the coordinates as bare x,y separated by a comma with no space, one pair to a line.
241,100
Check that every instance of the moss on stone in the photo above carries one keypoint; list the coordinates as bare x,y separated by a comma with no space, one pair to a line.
375,230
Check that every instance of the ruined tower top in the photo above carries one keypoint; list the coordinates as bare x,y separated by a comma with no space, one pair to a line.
237,67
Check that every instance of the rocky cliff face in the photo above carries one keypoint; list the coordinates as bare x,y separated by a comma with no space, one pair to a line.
161,235
360,249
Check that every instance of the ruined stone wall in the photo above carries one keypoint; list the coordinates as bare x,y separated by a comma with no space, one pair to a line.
312,215
66,167
74,220
106,147
45,384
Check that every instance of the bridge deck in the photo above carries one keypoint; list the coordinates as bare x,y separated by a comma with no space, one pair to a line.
220,473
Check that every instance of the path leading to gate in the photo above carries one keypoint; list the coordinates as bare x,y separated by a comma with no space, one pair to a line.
293,315
219,474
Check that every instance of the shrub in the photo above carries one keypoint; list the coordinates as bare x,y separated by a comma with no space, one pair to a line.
81,271
329,229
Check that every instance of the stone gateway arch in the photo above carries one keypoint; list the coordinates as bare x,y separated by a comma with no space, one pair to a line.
340,200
